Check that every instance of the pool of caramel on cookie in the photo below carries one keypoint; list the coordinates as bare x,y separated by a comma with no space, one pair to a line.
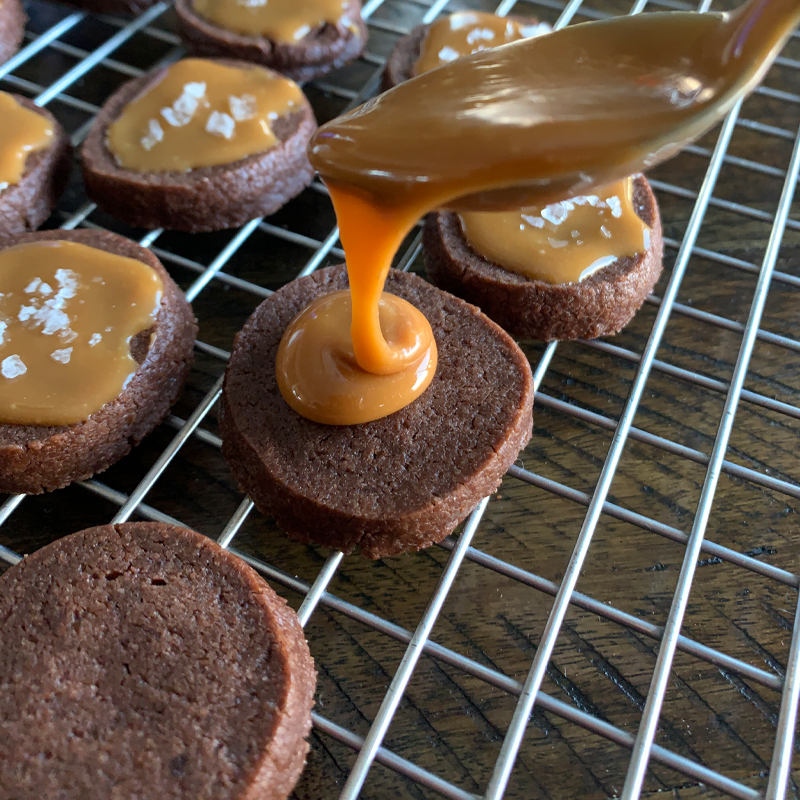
68,313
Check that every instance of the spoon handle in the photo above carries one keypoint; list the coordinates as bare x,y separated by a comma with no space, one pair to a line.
760,27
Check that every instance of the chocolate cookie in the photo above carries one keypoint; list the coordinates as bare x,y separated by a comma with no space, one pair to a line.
206,198
39,458
24,206
12,28
320,51
400,64
143,660
602,304
396,484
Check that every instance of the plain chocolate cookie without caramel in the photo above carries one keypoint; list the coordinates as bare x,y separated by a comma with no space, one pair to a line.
319,52
396,484
206,198
40,458
24,206
400,64
12,28
601,305
142,660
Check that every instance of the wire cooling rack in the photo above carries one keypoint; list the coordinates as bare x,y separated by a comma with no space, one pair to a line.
477,668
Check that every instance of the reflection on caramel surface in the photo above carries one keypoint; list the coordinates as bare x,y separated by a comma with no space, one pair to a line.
531,123
279,20
22,132
563,242
468,32
67,316
201,114
319,377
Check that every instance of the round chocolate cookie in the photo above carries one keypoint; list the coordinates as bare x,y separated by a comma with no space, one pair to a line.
24,206
40,458
400,64
396,484
143,661
206,198
602,304
320,51
12,28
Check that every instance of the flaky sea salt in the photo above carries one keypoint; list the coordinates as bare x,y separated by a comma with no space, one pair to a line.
479,35
184,108
529,31
62,356
49,313
195,89
556,213
243,108
221,124
68,282
615,205
534,222
155,133
12,367
448,54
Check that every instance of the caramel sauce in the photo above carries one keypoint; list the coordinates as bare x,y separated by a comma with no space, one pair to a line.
468,32
563,242
23,131
280,20
201,114
67,316
319,377
530,123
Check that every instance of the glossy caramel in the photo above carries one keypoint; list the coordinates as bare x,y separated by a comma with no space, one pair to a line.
67,316
22,132
530,123
467,32
318,374
201,114
563,242
285,21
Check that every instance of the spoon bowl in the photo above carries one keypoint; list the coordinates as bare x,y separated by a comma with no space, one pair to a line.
554,116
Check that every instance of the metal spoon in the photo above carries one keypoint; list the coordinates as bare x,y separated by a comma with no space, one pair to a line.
553,116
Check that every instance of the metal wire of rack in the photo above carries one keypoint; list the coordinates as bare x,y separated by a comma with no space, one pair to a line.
37,70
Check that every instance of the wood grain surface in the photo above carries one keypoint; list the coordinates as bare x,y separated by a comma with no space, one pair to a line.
450,722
